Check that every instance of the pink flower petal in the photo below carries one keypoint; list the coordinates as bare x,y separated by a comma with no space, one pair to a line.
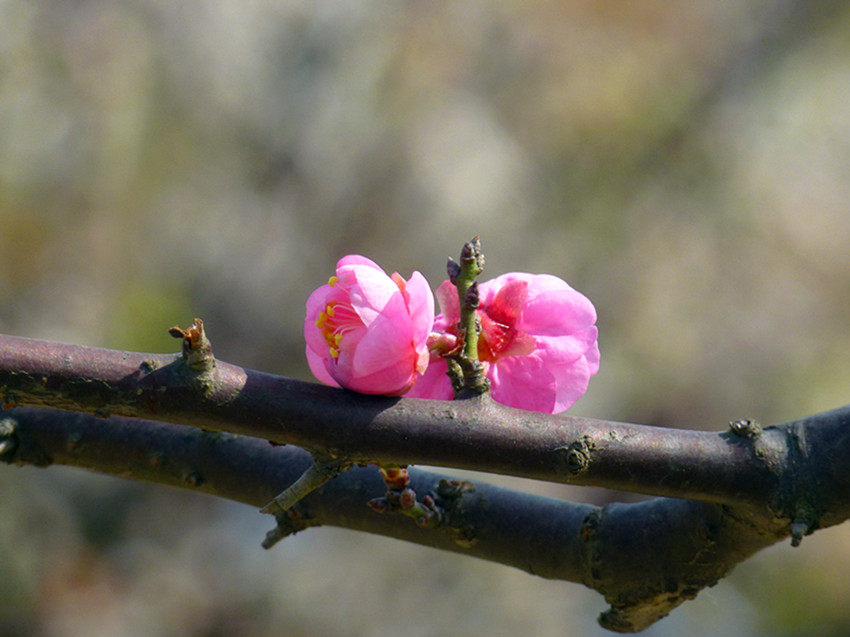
388,339
372,291
592,358
555,312
563,350
447,298
434,383
420,307
312,334
571,382
523,382
393,380
317,366
356,259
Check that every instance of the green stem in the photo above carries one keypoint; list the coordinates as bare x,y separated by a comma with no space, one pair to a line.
315,476
467,373
471,265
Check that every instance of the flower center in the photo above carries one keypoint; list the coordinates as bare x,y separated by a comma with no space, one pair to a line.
494,339
499,340
336,321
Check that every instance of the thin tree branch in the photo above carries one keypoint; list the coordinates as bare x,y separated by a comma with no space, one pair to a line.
645,558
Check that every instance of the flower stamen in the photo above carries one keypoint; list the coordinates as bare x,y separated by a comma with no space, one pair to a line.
337,319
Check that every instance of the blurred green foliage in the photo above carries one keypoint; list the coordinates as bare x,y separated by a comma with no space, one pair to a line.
686,166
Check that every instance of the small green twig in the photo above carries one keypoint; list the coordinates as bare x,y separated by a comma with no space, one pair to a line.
465,370
317,474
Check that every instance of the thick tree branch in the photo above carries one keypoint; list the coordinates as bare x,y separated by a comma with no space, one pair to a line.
473,434
645,558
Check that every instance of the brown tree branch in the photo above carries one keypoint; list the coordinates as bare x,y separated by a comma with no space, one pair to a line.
475,434
748,487
645,558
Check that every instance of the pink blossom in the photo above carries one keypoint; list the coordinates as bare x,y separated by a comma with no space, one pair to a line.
537,342
367,331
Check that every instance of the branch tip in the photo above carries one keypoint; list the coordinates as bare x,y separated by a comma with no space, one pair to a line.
289,522
798,531
197,349
471,255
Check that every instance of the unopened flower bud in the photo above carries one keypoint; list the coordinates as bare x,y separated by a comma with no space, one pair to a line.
453,269
472,299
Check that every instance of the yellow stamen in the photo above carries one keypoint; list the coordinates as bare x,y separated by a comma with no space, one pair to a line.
334,352
332,281
321,320
330,310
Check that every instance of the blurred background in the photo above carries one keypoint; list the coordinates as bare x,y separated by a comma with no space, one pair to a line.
685,165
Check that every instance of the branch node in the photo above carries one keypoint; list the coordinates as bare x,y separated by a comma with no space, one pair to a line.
451,489
197,349
802,490
745,427
575,457
452,506
400,498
